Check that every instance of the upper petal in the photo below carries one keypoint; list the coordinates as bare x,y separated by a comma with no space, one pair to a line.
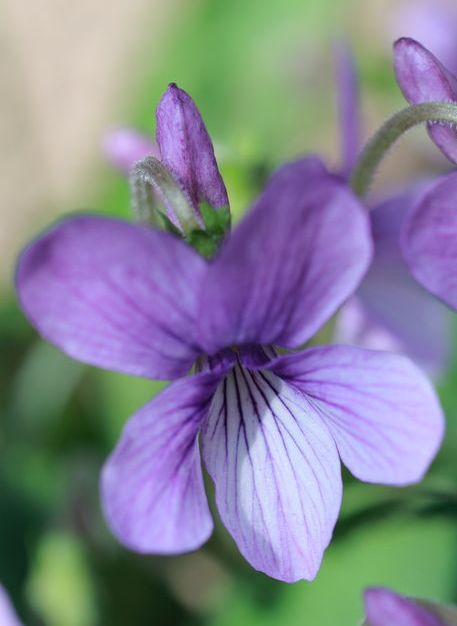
186,148
386,608
7,614
429,240
276,472
152,484
124,146
113,294
422,78
381,410
292,261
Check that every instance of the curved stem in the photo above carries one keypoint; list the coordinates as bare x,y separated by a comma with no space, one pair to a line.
392,130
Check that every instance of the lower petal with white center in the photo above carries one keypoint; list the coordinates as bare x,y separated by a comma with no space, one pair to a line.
382,411
276,471
152,484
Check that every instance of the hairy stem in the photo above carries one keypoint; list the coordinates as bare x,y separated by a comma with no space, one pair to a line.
393,129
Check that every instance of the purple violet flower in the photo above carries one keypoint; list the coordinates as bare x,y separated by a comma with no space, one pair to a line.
272,428
386,608
423,78
390,310
8,616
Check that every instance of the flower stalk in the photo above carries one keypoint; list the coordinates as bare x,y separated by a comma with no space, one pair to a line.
393,129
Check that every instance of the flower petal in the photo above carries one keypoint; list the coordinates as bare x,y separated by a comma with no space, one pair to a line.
422,78
381,410
391,310
276,472
115,295
429,240
349,114
385,608
292,261
152,484
186,148
7,614
124,146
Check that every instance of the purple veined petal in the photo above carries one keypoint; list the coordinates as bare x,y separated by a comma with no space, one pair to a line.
386,608
429,240
292,261
381,410
349,111
276,472
8,615
152,484
186,148
124,146
422,78
115,295
391,311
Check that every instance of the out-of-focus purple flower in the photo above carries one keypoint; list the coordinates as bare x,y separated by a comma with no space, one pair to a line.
433,23
8,615
390,310
423,78
124,146
272,428
384,607
429,239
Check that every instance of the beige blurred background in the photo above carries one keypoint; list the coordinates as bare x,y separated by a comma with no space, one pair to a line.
65,72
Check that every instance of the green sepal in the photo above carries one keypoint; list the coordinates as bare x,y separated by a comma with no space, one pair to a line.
217,224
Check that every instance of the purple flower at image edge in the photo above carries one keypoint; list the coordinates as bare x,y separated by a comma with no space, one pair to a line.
428,237
386,608
423,78
272,428
8,616
390,310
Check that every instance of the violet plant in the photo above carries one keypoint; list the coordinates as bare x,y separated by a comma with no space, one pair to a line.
273,420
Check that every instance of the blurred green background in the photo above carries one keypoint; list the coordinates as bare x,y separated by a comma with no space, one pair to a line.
262,75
